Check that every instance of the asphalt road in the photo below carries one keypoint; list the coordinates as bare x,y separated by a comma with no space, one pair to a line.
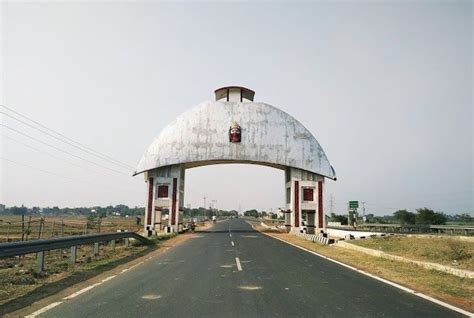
201,278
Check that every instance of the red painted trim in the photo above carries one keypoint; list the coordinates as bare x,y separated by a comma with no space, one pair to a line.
297,204
320,204
173,207
150,201
308,194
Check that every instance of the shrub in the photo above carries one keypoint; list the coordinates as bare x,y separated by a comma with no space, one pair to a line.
458,251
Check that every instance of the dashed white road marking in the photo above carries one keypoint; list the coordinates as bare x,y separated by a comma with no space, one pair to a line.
250,287
232,242
44,309
151,296
237,261
230,235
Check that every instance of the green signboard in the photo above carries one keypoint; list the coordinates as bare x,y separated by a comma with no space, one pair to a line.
353,204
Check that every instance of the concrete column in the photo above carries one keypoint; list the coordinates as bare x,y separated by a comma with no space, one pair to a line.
149,203
293,178
112,244
158,219
296,204
320,218
96,248
288,220
40,262
310,221
127,242
73,254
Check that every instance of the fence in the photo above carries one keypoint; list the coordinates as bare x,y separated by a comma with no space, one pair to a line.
31,228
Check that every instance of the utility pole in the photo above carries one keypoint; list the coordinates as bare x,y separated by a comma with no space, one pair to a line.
214,206
331,204
363,211
204,198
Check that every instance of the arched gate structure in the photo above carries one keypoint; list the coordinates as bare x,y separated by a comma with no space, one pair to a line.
235,129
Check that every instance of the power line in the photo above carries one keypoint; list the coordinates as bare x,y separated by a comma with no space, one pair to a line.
48,172
67,140
49,154
41,151
45,171
61,150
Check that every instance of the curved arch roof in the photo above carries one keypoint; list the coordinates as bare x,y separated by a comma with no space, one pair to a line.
269,136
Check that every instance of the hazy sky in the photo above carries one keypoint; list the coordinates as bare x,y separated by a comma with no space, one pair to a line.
386,89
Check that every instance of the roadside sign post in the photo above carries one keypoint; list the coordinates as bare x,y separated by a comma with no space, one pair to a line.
352,212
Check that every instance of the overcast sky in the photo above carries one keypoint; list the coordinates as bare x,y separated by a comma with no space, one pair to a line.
386,89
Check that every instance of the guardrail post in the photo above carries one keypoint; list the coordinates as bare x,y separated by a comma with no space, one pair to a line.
96,248
40,261
127,242
73,254
112,244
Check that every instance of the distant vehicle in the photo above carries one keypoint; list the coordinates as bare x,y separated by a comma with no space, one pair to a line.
214,218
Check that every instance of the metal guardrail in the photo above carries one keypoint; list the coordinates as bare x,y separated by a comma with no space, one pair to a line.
27,247
40,246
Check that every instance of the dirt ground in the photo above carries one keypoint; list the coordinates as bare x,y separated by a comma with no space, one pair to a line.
442,250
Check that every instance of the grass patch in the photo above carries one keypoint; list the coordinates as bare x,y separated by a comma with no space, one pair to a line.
441,250
163,237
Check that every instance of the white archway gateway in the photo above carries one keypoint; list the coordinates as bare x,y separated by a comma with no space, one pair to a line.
234,129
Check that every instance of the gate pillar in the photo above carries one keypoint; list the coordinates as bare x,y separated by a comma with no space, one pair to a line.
165,196
304,200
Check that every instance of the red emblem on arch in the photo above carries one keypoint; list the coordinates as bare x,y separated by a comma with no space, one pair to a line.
234,132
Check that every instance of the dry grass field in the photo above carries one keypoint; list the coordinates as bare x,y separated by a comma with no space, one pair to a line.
444,250
36,227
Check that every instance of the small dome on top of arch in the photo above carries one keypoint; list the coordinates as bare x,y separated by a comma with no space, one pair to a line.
234,94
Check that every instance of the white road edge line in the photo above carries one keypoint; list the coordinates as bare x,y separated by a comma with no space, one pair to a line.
81,291
73,295
232,242
408,290
44,309
239,267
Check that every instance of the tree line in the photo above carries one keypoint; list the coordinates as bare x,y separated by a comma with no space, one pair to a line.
117,210
423,216
99,211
